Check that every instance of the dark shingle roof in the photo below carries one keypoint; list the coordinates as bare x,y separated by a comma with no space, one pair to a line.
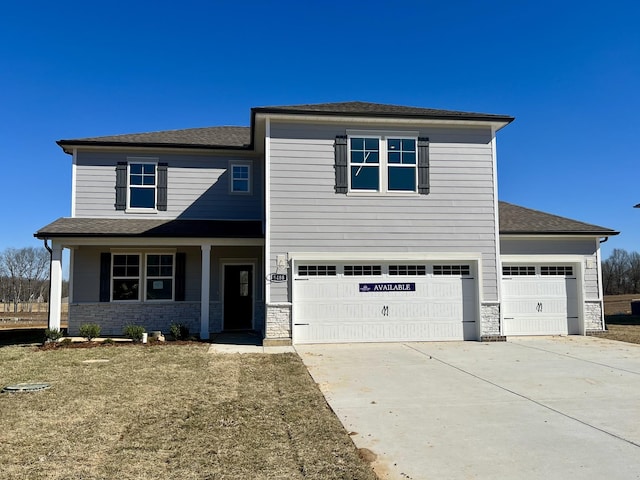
208,137
380,110
514,220
520,221
127,227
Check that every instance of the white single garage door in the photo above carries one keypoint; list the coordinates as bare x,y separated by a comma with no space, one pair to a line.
344,302
540,300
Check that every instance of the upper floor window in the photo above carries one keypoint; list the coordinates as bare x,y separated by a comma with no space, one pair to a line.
240,178
142,185
394,163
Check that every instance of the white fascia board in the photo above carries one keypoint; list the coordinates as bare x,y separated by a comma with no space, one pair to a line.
549,236
380,120
546,258
267,208
202,151
384,256
157,242
74,164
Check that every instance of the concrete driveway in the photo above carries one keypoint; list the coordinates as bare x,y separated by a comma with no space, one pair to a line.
531,408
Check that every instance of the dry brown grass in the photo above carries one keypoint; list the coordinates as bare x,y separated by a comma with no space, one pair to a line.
170,412
621,325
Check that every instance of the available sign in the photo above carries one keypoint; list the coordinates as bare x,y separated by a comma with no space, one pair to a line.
387,287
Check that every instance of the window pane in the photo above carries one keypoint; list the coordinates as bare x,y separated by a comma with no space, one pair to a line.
357,143
149,180
357,157
394,157
371,157
136,180
159,289
153,259
402,179
409,158
371,144
364,178
142,198
149,168
119,271
408,145
393,144
125,289
153,271
135,168
240,186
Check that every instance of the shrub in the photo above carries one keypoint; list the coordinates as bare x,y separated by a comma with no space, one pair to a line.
134,332
89,331
52,335
108,341
66,341
179,331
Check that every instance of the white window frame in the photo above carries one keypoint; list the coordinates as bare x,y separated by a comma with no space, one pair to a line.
383,162
161,277
244,164
142,161
113,277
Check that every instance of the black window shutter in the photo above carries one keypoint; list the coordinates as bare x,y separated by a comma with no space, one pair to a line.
121,186
162,187
181,267
341,164
423,165
105,276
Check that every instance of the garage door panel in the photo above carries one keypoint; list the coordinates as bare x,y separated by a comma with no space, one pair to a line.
540,304
337,309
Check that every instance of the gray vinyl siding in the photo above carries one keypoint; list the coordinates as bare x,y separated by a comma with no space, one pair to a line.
197,187
306,215
587,247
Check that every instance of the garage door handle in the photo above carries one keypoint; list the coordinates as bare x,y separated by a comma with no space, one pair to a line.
300,324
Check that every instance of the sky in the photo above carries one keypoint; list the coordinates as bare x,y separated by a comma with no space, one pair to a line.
569,71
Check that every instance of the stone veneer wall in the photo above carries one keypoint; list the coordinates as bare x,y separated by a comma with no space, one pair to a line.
278,320
489,319
593,316
112,317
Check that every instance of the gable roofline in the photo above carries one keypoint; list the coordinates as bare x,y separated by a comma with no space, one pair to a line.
381,110
205,138
241,138
516,220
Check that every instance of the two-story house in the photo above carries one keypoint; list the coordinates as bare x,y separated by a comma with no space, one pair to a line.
341,222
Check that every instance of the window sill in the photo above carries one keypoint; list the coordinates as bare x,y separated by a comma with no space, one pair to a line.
141,210
383,194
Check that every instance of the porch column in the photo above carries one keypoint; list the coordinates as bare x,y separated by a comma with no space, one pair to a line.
55,290
205,287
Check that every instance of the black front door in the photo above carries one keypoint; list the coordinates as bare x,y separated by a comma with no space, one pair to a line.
238,297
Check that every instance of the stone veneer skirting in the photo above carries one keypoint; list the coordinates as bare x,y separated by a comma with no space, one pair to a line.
489,319
278,320
593,316
113,317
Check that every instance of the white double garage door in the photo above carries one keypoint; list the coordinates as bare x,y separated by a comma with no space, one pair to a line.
384,302
389,302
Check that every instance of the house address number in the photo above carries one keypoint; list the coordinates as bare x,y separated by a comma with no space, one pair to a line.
277,277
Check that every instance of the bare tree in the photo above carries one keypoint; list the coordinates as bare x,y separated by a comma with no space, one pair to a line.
24,271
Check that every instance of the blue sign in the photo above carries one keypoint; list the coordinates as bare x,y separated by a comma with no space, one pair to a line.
387,287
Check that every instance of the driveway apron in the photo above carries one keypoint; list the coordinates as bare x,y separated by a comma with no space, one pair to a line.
530,408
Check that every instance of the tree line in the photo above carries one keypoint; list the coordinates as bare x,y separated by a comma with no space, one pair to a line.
621,272
24,278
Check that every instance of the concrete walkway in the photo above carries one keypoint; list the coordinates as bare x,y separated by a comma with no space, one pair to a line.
531,408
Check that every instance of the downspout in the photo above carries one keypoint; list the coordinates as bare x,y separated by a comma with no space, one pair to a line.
46,245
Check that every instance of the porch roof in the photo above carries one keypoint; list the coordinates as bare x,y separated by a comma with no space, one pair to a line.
151,228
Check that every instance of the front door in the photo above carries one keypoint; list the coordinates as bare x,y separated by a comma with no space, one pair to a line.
238,297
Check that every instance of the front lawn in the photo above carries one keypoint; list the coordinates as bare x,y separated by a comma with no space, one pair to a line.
168,412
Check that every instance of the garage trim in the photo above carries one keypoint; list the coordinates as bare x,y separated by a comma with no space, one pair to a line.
577,261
